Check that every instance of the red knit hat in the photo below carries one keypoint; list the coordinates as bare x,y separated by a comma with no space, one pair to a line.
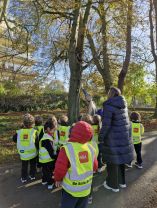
82,132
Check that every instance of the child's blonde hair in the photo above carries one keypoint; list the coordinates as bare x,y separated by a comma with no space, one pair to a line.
28,120
87,118
113,92
53,119
63,120
97,121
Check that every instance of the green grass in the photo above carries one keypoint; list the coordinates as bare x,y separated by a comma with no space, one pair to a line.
8,125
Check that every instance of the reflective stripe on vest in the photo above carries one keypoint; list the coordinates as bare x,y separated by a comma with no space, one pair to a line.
55,141
63,134
78,179
136,132
95,133
26,143
95,146
44,156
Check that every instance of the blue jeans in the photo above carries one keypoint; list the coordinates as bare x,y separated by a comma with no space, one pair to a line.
69,201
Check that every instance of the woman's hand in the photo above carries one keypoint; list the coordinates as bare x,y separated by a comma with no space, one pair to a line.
58,184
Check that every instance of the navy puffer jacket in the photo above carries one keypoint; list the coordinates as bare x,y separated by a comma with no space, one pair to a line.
115,142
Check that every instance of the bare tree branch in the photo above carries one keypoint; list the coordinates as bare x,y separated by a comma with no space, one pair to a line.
3,9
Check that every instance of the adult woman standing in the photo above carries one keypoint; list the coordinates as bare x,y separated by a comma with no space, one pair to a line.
115,142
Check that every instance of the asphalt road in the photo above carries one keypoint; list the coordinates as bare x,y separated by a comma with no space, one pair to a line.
141,191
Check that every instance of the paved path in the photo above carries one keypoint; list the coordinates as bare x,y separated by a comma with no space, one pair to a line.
140,193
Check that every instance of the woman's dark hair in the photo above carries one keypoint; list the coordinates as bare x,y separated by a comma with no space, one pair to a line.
113,92
135,116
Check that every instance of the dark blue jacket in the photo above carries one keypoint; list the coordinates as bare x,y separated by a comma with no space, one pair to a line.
115,142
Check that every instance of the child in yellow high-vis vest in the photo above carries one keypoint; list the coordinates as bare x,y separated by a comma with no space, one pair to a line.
137,130
96,129
39,126
63,129
27,145
47,154
40,131
55,135
94,142
74,167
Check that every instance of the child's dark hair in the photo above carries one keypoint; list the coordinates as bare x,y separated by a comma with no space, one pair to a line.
38,120
135,116
80,117
50,123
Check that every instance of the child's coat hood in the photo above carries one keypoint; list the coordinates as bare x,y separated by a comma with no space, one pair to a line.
82,132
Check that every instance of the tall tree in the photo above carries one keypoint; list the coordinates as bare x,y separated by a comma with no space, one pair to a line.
125,67
153,38
113,33
76,50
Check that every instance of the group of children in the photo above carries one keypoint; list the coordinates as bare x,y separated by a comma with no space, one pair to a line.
41,146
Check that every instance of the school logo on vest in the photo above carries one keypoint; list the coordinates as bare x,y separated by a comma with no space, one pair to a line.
25,136
83,157
136,130
62,133
96,131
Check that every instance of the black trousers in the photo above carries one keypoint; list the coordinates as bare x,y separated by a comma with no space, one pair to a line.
100,162
24,169
47,172
115,175
68,201
138,148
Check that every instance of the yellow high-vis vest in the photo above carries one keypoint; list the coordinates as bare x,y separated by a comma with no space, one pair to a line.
26,143
136,132
95,133
44,156
63,134
95,146
39,129
78,179
55,141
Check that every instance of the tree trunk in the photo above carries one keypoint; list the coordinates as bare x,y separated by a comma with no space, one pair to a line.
153,41
76,47
74,95
125,67
105,73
